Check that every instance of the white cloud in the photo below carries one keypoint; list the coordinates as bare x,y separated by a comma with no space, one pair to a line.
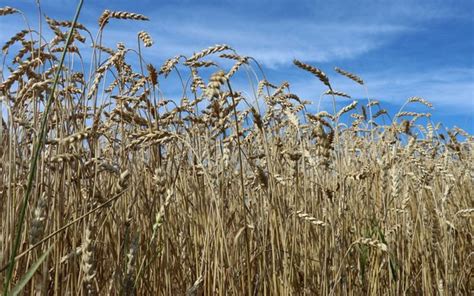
270,45
451,90
314,31
274,32
326,32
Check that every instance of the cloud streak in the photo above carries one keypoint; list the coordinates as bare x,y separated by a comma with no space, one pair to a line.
401,48
312,32
450,90
274,32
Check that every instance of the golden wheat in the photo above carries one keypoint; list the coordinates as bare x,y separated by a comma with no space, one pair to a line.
221,190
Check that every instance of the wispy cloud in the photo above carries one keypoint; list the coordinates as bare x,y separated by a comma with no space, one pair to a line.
401,48
312,32
274,32
321,43
451,90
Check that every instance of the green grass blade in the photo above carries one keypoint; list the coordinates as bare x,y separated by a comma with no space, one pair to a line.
29,274
36,152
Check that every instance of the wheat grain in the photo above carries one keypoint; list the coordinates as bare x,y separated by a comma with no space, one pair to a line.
320,74
220,188
146,38
349,75
88,265
346,109
124,15
7,10
169,65
310,219
337,93
420,100
213,49
39,219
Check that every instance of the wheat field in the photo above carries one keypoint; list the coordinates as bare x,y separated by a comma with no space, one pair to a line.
110,187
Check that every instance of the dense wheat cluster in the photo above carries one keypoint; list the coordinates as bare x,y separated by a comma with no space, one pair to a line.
220,191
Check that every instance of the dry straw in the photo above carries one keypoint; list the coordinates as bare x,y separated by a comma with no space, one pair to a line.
219,188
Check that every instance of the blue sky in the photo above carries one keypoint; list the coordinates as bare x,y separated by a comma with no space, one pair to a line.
400,48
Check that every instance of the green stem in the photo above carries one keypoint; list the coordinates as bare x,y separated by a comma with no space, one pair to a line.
34,161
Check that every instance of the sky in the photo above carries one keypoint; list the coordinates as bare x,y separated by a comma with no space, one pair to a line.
400,48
